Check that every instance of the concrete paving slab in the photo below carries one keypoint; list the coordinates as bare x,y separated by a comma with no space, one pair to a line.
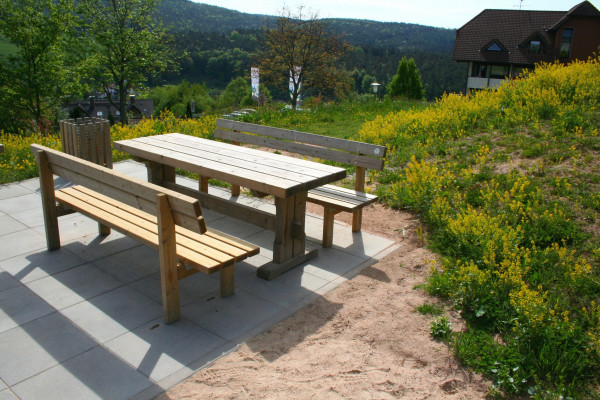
12,190
31,218
73,286
93,247
191,288
85,321
10,225
95,374
21,242
41,263
38,345
232,316
7,281
159,350
19,305
113,313
131,264
29,201
7,395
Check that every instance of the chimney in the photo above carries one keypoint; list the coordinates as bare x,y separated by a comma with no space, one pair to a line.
92,102
131,98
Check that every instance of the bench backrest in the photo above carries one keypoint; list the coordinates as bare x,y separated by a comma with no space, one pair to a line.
333,149
87,138
134,192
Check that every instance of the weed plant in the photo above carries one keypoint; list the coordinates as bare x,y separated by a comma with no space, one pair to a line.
507,182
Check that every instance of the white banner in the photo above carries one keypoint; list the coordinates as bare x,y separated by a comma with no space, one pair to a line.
295,78
254,79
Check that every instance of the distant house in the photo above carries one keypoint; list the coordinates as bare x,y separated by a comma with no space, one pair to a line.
501,43
93,107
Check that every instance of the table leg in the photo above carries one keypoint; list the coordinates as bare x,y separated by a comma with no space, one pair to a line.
289,247
159,173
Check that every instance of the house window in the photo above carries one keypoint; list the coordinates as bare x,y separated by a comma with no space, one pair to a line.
565,44
535,46
99,114
499,71
479,70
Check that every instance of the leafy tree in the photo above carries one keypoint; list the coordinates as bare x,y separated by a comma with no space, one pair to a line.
407,82
237,93
307,43
35,78
177,98
128,45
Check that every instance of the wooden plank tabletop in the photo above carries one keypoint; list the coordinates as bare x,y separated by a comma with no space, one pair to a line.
267,172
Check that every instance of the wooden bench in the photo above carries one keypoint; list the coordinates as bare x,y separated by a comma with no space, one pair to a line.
334,199
156,216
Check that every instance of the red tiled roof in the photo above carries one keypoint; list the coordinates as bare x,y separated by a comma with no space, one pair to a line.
509,27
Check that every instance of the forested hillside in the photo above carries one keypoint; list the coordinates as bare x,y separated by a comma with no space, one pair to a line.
219,44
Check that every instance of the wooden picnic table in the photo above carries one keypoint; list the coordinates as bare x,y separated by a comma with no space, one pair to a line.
287,179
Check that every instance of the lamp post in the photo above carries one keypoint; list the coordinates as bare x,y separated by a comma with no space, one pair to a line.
375,87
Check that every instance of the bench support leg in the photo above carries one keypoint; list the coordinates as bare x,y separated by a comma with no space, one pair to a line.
235,190
359,185
203,183
48,201
328,214
227,281
357,220
169,281
103,230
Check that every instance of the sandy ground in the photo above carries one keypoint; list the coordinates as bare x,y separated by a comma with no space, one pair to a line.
364,340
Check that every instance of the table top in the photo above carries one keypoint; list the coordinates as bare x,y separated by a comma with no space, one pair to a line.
263,171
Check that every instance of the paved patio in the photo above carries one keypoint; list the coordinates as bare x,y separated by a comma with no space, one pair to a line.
85,321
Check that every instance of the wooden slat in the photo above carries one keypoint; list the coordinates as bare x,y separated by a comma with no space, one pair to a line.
233,209
303,137
255,155
230,173
301,148
129,190
202,253
216,245
340,198
254,164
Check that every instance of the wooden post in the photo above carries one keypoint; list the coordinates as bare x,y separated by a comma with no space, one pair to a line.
168,260
283,246
203,183
359,186
227,281
328,220
48,201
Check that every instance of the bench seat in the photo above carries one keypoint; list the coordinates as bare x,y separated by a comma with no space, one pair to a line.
340,198
207,253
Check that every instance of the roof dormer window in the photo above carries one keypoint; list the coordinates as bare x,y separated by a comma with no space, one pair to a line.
494,47
535,46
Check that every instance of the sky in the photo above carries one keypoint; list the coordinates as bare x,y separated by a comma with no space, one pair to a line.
438,13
